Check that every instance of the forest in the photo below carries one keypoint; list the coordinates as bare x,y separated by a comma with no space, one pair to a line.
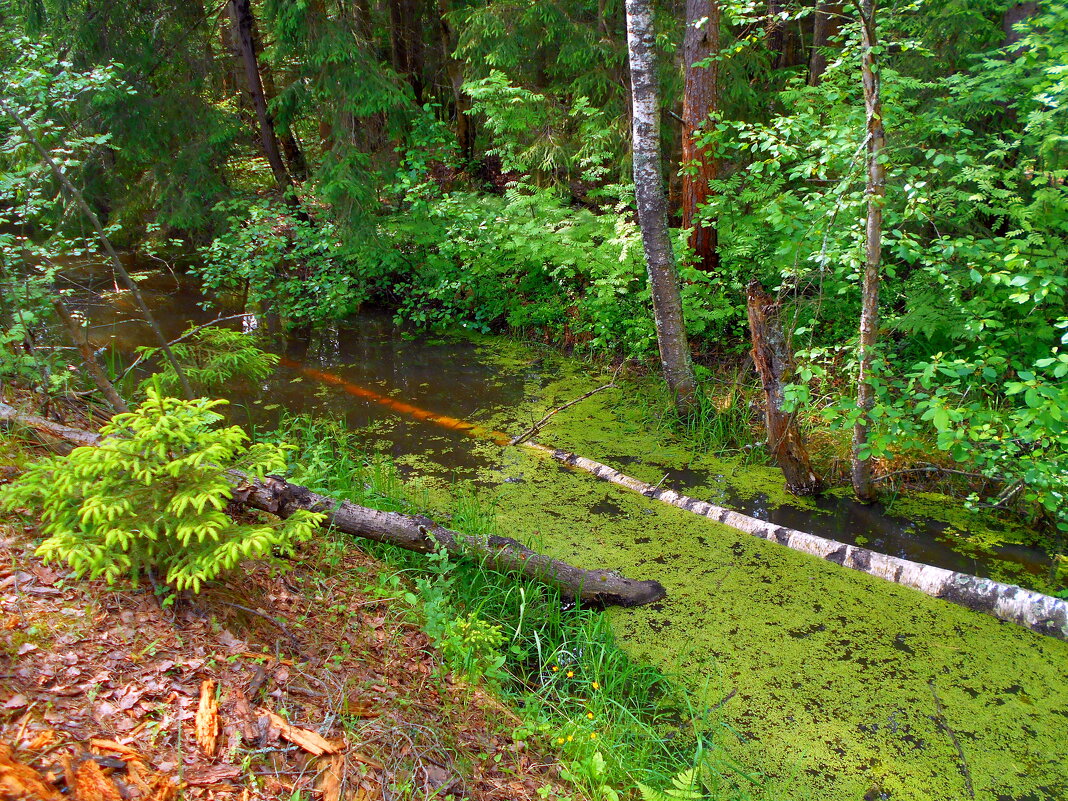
574,399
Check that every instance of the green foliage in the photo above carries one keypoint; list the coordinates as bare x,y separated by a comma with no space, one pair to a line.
213,357
288,265
472,647
153,495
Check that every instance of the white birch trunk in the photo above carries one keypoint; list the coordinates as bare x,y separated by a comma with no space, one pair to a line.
652,207
873,234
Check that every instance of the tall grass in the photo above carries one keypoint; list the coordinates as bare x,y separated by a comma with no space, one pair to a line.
617,722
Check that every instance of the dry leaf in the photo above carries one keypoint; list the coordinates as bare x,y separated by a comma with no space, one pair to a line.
308,740
90,784
207,721
42,740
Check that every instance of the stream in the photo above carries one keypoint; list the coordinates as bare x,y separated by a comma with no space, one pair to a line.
826,677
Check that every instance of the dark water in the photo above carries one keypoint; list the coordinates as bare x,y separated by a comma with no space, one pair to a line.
449,378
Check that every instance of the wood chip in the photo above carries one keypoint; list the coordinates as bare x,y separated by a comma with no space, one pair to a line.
124,751
213,774
90,784
207,720
310,741
329,781
18,781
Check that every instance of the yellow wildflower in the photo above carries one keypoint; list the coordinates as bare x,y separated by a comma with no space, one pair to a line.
570,737
571,674
589,715
596,686
593,735
555,668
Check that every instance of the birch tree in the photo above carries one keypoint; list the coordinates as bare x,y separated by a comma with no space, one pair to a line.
873,234
652,207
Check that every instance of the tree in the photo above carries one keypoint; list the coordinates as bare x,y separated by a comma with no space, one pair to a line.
241,14
652,208
825,21
873,233
701,98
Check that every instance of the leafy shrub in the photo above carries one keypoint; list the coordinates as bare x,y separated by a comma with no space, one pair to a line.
153,496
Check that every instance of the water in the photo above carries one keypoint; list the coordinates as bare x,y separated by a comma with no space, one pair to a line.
821,677
450,378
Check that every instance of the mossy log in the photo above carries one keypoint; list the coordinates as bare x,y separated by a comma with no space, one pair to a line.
412,532
1033,610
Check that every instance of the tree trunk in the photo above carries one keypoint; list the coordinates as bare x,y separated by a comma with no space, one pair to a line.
1032,610
1015,14
700,99
291,149
80,337
406,32
411,532
825,23
774,363
873,233
775,34
241,15
465,130
652,208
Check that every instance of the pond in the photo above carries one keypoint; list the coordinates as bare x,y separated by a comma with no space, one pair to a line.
834,683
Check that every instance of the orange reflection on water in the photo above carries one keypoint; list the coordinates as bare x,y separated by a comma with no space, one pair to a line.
453,423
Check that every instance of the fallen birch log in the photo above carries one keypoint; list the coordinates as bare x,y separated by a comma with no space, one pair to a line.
412,532
1033,610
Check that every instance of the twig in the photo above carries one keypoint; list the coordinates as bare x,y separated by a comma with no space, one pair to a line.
534,429
931,468
73,191
292,637
940,719
186,335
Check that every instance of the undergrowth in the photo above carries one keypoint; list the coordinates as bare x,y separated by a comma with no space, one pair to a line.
620,726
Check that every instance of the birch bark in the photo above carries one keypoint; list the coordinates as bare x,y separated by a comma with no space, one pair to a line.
652,208
873,233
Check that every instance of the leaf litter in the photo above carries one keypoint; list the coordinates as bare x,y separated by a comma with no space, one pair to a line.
290,678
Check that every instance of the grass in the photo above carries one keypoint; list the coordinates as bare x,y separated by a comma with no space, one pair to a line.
617,723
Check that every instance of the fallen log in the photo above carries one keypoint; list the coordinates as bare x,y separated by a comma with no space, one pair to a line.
412,532
1009,602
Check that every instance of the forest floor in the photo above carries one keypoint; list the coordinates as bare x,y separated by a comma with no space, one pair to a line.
316,681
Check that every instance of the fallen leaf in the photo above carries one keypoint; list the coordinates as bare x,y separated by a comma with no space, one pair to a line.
26,648
42,740
207,718
16,702
213,774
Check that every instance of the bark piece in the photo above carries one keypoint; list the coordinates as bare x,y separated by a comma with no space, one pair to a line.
330,777
774,363
310,741
207,719
20,782
90,784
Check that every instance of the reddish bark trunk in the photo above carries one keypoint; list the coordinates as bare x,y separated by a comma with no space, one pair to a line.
701,98
825,24
774,362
